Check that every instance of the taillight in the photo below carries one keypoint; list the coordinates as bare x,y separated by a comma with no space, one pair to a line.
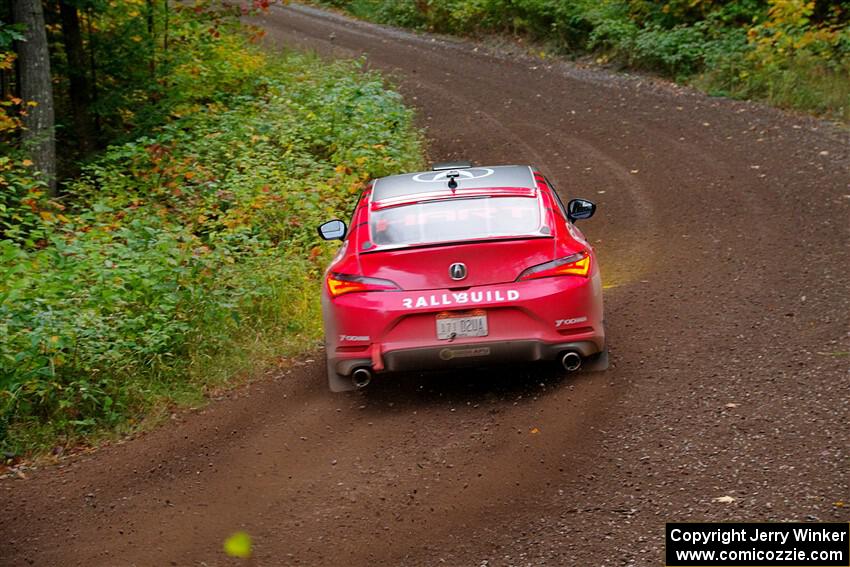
573,265
339,284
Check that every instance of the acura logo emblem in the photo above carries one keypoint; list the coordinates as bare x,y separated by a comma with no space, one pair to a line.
457,271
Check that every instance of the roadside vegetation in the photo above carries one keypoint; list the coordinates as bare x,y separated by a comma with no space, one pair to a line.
178,249
791,53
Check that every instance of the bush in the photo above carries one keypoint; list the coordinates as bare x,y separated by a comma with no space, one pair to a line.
190,254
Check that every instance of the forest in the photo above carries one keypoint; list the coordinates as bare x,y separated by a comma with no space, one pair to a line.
791,53
161,177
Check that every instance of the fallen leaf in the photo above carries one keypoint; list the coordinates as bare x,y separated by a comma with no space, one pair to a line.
534,431
732,405
238,545
724,499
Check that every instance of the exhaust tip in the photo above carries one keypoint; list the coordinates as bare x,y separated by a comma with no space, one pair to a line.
571,361
361,377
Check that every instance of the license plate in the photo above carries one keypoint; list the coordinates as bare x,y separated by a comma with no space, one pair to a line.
455,325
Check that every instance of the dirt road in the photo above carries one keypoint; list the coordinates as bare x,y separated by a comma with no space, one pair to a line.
724,239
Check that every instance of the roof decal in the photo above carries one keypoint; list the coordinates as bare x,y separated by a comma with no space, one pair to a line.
459,174
411,184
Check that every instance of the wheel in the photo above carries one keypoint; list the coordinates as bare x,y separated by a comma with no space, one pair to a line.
338,382
597,362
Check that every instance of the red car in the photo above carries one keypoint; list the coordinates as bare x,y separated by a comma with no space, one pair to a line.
460,266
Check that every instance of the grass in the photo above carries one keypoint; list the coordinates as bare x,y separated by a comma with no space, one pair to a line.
802,83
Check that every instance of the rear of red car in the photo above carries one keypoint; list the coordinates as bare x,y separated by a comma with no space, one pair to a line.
433,276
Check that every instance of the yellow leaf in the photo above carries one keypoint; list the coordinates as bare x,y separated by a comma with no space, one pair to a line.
534,431
27,162
238,545
54,339
45,215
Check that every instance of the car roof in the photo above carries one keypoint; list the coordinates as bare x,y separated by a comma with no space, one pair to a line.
413,186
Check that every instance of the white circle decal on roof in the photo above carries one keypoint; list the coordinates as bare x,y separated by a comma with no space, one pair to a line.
438,176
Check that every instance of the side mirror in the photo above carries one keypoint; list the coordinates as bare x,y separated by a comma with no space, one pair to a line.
332,230
579,209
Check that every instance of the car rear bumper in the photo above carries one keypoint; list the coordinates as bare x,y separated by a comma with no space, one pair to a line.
526,321
472,354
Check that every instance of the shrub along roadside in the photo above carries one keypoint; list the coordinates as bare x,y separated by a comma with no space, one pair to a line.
791,53
187,256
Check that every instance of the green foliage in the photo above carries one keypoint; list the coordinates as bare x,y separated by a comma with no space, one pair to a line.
23,205
189,254
791,52
794,60
146,54
10,33
402,13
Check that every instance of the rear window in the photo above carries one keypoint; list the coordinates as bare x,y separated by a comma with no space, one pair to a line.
456,219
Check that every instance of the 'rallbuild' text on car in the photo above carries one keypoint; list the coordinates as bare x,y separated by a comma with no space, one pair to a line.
460,266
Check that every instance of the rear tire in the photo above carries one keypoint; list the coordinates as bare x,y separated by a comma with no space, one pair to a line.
338,382
597,362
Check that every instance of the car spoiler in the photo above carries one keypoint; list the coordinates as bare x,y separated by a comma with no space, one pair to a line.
447,165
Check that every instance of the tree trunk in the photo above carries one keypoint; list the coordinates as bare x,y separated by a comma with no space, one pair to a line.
92,66
79,95
36,87
151,38
165,30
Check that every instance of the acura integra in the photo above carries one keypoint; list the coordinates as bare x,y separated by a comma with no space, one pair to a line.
460,266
